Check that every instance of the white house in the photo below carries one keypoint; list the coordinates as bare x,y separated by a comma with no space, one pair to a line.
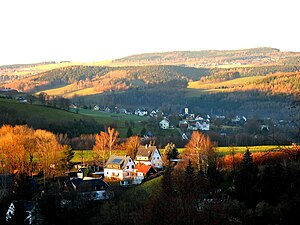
96,107
119,167
202,125
164,124
149,155
141,112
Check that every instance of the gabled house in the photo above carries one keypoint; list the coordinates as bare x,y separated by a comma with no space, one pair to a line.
88,188
149,155
96,108
141,112
164,124
119,167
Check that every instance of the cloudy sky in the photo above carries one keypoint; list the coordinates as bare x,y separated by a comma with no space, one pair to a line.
95,30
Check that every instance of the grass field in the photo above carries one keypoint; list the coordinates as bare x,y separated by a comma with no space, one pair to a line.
117,119
50,114
69,91
88,155
31,70
196,87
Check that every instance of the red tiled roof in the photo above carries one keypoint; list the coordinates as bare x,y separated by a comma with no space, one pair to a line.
142,168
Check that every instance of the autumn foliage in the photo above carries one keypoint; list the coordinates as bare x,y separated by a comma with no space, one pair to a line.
25,150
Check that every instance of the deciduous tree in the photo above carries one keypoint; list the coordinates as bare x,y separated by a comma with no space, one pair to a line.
200,151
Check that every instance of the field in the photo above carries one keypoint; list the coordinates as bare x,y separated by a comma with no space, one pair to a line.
197,87
136,122
50,114
36,69
88,154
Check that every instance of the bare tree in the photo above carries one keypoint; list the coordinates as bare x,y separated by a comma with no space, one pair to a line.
200,151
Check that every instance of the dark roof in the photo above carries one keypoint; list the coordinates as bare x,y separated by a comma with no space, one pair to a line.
86,185
5,181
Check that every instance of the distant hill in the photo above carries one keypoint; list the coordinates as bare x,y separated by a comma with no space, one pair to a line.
213,58
230,81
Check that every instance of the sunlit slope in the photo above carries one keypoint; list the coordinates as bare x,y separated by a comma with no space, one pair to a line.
33,69
222,86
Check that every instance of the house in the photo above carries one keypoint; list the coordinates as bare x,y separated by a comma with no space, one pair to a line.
164,124
119,167
202,125
149,155
28,207
143,170
96,108
141,112
88,188
123,111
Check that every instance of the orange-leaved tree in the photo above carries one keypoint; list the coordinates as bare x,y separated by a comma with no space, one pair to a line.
105,142
200,151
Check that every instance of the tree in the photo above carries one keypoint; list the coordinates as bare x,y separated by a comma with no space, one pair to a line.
143,131
131,145
105,141
49,151
100,148
170,152
200,151
113,135
247,180
129,132
68,155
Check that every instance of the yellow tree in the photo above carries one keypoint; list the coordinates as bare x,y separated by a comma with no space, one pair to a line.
113,136
48,151
105,141
200,151
101,146
131,145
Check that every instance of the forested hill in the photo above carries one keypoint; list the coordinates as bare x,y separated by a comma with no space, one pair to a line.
94,79
254,56
212,81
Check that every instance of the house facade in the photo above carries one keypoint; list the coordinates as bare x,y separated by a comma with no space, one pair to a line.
149,155
164,124
119,167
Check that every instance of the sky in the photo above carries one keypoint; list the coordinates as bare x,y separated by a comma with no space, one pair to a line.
95,30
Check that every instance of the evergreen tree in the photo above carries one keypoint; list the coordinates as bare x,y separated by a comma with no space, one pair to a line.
143,131
246,181
129,132
68,155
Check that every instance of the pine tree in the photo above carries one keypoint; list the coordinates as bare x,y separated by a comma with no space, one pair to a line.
247,180
129,132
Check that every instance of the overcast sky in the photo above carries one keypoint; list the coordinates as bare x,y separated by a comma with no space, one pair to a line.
95,30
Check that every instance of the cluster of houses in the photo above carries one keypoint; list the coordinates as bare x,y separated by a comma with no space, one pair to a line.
127,171
148,161
137,112
79,188
188,122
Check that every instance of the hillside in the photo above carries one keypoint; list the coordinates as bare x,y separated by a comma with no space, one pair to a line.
214,58
217,82
52,119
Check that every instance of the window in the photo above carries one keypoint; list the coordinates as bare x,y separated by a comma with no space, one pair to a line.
129,160
157,157
132,167
127,167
